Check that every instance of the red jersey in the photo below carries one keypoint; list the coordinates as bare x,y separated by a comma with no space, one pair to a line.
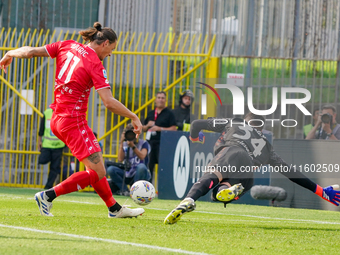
78,70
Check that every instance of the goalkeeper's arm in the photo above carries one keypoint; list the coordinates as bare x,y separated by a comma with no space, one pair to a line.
209,124
329,193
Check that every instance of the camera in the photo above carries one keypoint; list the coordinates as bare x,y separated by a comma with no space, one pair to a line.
129,135
327,118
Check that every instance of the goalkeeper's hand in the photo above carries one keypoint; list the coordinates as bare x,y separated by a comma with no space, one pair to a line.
199,139
329,193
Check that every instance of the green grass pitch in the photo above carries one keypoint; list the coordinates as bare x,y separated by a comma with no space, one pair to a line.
80,226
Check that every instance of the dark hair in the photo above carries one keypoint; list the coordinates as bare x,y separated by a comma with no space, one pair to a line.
329,106
98,34
128,127
257,120
161,92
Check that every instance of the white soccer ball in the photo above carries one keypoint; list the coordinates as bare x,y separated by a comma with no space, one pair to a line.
142,192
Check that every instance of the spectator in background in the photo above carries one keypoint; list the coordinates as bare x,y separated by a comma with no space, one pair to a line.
182,112
137,151
161,118
309,127
326,127
51,148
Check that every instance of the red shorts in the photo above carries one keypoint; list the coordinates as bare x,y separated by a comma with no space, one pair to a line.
76,134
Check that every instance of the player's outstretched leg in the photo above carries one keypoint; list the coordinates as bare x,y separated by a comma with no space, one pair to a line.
43,204
226,193
187,205
200,188
76,181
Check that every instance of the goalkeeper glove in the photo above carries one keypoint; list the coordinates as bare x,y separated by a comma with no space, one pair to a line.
329,194
199,139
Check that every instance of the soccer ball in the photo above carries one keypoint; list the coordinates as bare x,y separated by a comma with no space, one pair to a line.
142,192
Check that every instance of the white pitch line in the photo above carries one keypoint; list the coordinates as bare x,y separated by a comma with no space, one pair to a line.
105,240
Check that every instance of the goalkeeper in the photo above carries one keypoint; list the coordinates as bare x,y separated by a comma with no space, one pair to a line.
240,145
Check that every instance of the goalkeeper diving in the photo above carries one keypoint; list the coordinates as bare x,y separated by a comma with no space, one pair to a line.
240,145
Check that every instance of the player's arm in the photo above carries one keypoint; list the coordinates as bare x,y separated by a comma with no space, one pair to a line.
23,52
211,124
28,52
117,107
291,174
215,125
328,193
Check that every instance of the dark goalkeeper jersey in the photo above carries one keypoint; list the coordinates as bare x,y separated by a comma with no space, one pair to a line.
237,132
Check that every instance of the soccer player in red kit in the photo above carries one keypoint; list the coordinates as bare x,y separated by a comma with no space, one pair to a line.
79,68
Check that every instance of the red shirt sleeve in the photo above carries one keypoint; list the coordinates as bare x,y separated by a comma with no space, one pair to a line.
99,77
53,48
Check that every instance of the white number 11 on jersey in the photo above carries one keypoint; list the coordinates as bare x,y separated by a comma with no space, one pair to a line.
76,60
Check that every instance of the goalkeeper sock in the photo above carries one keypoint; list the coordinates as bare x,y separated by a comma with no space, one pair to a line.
203,185
102,188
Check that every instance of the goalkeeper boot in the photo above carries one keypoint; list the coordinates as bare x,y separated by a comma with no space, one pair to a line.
126,212
187,205
231,193
43,204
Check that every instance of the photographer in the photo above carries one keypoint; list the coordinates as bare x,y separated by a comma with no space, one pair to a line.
326,127
137,152
307,128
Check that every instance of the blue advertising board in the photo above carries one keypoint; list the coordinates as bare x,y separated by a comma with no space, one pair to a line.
176,167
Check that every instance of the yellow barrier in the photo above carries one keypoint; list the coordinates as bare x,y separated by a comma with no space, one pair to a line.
140,66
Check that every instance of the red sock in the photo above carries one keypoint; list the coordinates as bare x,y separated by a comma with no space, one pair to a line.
76,181
102,188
